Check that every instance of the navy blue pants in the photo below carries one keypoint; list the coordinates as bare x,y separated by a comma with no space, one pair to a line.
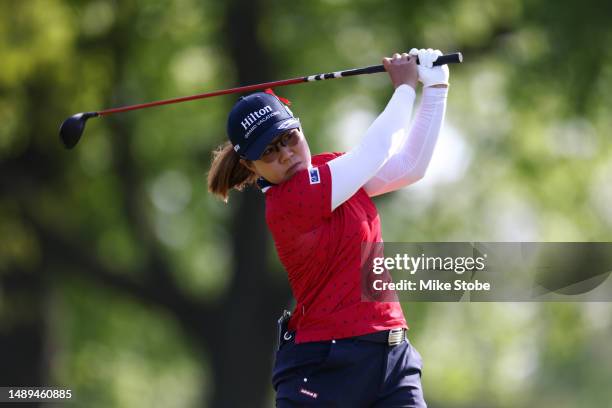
348,373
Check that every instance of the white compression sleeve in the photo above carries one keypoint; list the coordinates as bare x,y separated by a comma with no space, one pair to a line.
409,164
383,138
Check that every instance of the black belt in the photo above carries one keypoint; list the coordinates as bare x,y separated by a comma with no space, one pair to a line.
392,337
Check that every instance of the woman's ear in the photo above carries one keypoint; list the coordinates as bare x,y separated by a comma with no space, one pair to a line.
248,164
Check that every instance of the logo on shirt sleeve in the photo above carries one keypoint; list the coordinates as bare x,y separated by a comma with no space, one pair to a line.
315,178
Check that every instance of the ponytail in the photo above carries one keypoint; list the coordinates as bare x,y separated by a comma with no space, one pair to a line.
226,172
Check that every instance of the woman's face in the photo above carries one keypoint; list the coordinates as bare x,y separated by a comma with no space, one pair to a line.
287,154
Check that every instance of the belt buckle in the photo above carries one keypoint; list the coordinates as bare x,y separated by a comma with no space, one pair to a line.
396,336
282,329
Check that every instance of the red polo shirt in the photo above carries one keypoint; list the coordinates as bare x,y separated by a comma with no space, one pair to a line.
321,252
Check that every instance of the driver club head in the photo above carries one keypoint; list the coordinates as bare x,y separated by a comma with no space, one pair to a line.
72,128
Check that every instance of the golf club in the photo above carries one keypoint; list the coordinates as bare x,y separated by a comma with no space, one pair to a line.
72,128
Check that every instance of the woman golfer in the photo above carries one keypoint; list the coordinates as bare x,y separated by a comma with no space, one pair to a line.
337,350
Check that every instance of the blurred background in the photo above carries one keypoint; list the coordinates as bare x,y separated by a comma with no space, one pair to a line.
123,279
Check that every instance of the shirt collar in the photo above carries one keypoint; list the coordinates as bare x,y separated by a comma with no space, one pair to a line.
264,184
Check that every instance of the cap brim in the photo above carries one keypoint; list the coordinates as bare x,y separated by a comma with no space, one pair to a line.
255,150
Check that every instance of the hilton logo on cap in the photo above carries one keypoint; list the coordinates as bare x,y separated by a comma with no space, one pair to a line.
253,116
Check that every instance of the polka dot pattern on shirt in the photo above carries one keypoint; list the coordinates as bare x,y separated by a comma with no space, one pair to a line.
321,252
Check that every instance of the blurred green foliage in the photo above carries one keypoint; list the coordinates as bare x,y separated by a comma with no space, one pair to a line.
525,155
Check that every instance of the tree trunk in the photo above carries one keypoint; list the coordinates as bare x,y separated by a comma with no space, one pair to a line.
23,361
244,351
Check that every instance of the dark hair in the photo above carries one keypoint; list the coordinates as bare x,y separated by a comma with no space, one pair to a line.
226,172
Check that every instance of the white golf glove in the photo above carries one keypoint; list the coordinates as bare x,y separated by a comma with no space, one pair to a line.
428,74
